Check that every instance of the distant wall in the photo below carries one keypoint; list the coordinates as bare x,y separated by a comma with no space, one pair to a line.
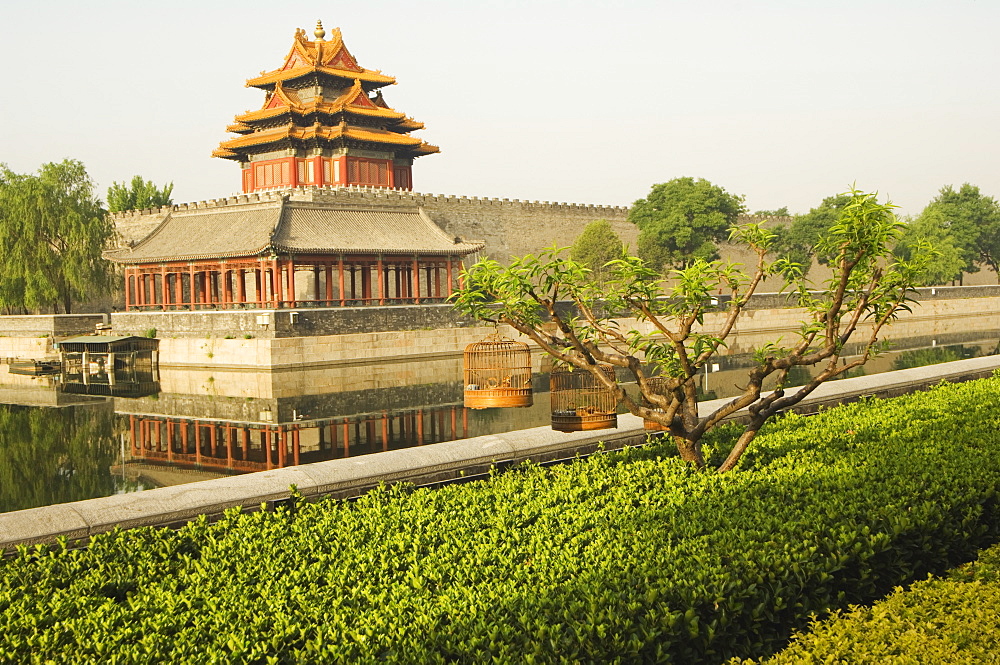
509,227
52,325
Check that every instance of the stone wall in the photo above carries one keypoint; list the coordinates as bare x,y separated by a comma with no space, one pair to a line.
53,325
305,322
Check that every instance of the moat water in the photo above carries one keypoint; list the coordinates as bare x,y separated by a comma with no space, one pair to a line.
61,442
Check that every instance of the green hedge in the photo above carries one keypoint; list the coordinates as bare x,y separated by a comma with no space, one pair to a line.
953,620
623,557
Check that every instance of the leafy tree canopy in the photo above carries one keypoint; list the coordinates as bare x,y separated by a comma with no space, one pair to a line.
53,230
778,212
139,195
682,220
973,222
931,228
595,247
797,242
683,326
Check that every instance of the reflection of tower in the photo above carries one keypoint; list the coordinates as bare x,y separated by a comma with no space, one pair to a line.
245,447
321,124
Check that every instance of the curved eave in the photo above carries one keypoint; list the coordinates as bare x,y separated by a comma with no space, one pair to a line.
279,75
123,256
329,109
460,249
329,134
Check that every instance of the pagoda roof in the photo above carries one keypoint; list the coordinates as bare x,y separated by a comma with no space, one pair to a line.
230,148
325,57
296,227
352,100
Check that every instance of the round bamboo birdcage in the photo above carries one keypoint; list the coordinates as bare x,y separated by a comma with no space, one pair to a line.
580,402
658,384
497,373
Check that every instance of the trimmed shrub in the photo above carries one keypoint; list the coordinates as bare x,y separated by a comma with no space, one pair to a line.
952,620
622,557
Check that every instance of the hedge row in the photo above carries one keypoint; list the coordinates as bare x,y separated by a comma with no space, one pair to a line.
952,620
623,557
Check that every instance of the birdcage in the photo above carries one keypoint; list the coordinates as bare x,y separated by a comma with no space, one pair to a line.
580,401
497,373
658,385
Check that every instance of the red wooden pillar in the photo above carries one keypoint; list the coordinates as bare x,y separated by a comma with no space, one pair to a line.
316,294
450,281
265,446
229,446
192,283
420,427
163,286
454,424
416,281
128,289
184,436
317,167
385,431
282,447
245,443
290,291
328,269
170,440
295,446
340,267
276,291
197,443
380,275
347,440
257,281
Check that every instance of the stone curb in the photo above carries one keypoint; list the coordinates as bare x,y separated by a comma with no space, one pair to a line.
430,464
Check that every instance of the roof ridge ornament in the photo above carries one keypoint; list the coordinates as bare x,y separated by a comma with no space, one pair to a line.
319,32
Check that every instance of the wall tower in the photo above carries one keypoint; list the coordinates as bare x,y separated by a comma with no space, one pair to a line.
324,122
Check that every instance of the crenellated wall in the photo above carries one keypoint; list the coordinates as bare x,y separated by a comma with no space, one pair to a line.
509,227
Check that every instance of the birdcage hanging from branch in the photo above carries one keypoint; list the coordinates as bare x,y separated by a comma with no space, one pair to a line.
580,401
497,373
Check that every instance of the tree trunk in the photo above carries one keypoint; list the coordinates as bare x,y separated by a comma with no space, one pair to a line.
741,445
690,451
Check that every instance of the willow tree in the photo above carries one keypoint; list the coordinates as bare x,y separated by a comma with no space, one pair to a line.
650,327
52,230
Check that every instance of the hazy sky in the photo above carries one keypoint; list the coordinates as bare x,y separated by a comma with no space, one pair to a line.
583,101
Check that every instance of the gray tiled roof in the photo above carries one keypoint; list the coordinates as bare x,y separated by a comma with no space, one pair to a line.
290,227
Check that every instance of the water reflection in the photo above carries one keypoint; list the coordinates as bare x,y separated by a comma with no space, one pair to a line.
59,441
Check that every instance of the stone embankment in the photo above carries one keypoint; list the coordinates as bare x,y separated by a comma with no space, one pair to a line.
436,463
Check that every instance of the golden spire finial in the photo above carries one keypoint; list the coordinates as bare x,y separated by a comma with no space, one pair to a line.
320,32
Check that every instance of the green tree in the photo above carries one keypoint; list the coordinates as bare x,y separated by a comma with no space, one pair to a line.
52,229
595,247
973,221
683,331
931,228
682,220
139,195
779,212
797,242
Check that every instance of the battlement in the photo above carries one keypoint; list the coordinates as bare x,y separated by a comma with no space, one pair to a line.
353,194
510,227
